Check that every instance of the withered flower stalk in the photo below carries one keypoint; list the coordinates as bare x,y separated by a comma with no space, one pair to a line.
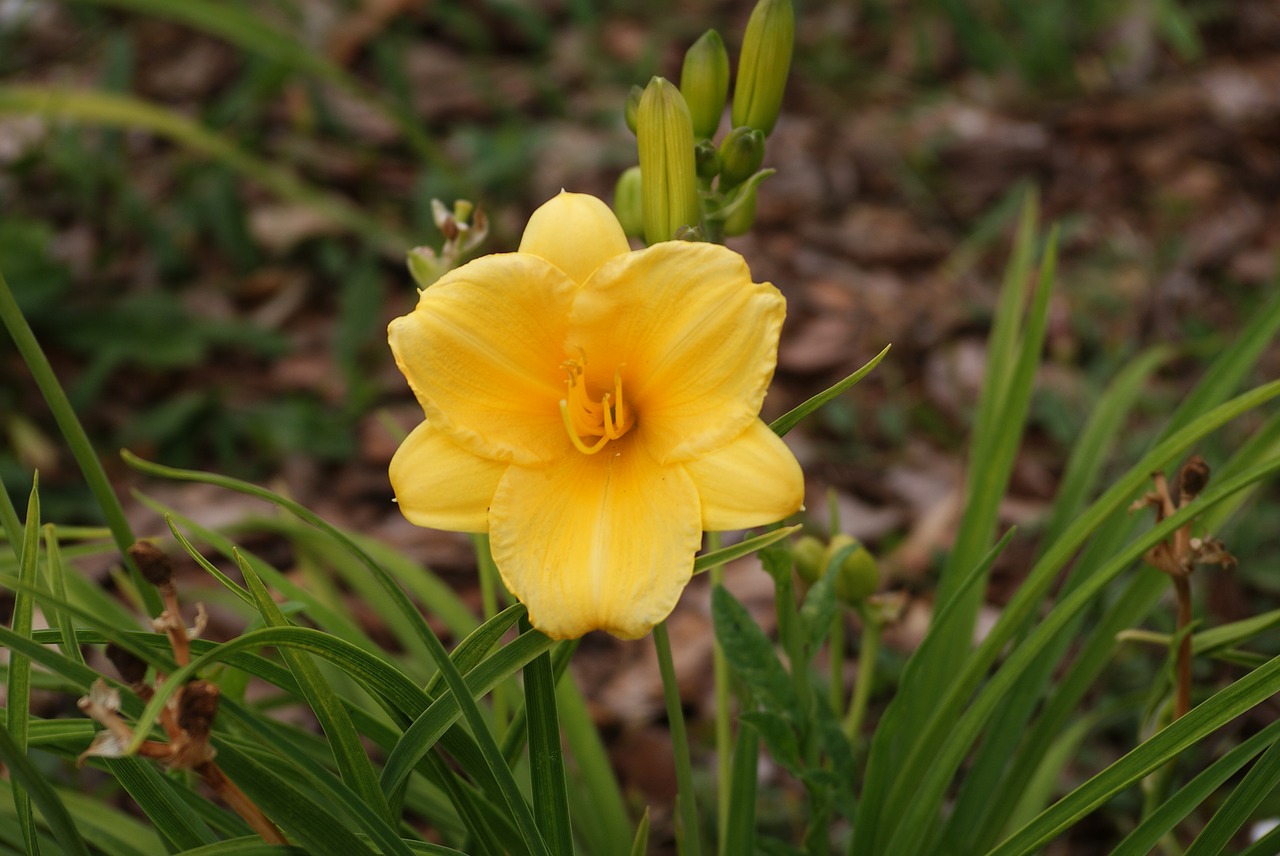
1178,557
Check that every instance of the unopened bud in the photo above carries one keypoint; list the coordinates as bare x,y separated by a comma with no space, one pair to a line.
858,575
152,562
627,203
808,553
668,178
631,110
763,65
704,80
741,153
706,160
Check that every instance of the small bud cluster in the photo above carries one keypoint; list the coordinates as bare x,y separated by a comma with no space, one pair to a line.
857,574
689,187
464,227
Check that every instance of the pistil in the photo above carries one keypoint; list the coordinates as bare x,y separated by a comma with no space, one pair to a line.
606,419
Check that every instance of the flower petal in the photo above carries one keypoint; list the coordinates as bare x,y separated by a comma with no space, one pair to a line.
483,353
442,485
698,338
596,542
575,232
750,482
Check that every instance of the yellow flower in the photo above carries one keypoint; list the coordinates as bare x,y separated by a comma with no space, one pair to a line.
593,409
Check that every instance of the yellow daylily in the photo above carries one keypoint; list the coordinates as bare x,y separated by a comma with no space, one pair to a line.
593,409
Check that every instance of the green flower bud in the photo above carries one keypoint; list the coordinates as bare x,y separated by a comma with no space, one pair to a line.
741,154
707,160
704,80
858,576
763,65
632,107
668,176
808,553
627,203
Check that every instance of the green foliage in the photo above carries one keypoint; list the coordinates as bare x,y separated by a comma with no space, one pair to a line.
418,742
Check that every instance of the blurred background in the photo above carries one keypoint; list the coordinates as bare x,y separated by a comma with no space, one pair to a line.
204,212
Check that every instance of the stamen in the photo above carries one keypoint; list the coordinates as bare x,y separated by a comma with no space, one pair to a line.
573,434
610,427
619,417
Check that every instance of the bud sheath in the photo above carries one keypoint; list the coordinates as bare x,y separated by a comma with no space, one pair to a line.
763,65
704,80
668,177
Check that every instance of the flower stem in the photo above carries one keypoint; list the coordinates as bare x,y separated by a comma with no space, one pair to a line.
687,836
488,573
724,729
1182,587
867,653
77,439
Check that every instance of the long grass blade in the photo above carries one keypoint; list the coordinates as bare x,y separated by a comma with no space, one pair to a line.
356,769
1146,837
124,111
31,781
515,803
957,734
1166,744
69,424
18,695
1257,785
927,739
250,32
793,417
974,808
546,761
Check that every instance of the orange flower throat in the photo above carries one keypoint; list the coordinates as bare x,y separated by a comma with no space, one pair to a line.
585,418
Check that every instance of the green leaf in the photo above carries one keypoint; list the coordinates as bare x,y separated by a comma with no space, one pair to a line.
943,714
746,546
1171,811
69,424
546,762
944,759
356,769
1166,744
124,111
976,817
792,418
1257,785
779,735
752,656
29,779
58,584
878,778
315,826
740,829
18,696
640,844
599,810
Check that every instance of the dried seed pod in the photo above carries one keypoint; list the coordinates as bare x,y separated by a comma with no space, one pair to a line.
153,562
196,708
1192,479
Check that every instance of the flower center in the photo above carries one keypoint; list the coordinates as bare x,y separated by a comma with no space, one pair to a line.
588,421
